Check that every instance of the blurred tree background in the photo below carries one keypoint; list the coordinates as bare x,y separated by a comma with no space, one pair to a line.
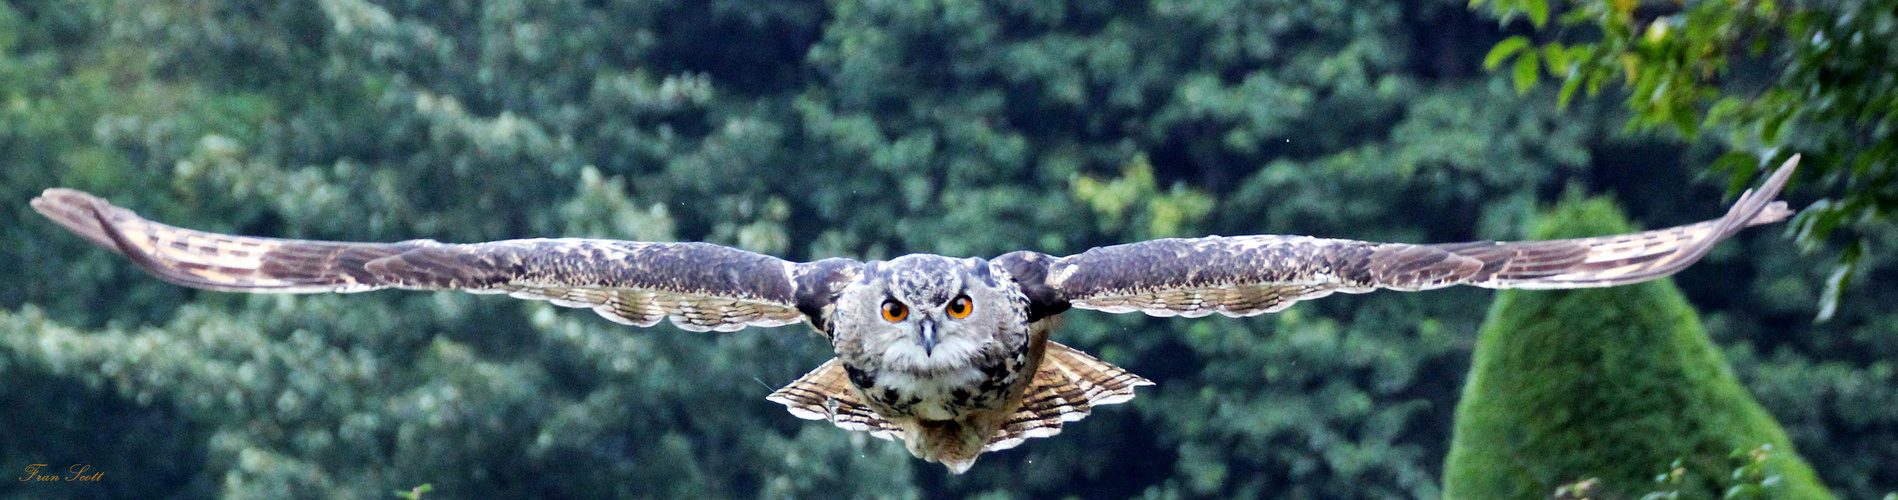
806,129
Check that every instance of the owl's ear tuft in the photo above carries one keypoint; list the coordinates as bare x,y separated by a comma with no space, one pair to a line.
979,268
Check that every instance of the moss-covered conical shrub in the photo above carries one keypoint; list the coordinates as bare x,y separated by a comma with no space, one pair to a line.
1614,384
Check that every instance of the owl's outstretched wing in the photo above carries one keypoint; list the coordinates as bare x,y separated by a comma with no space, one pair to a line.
1248,275
699,286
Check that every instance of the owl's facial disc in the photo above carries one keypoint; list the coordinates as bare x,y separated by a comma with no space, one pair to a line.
932,292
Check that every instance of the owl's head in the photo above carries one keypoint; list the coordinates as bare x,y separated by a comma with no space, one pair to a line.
923,312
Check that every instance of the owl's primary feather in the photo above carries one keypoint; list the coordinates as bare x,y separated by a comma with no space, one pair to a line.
949,355
1249,275
699,286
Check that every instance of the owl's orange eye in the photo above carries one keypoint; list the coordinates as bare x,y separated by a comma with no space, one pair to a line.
960,308
894,311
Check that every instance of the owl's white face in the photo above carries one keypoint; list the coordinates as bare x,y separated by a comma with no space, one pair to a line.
928,313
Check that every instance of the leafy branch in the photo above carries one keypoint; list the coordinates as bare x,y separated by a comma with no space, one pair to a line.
1769,79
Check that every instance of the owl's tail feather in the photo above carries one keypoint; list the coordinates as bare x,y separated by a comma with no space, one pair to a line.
825,394
1069,384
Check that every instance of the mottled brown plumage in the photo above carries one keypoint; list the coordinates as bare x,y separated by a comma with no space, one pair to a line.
950,356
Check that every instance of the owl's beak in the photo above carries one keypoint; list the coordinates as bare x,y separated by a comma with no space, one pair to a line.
929,336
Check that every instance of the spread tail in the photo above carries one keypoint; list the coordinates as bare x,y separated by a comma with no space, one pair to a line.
1069,384
825,394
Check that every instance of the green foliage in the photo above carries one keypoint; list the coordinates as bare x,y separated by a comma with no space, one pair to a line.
1609,383
416,492
1164,213
1753,476
1765,78
808,129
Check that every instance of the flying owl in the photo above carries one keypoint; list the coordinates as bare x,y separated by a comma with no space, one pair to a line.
949,355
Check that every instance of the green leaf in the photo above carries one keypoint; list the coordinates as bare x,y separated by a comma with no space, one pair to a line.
1685,120
1537,10
1596,78
1769,129
1556,58
1815,223
1508,47
1723,109
1526,72
1741,165
1569,84
1840,279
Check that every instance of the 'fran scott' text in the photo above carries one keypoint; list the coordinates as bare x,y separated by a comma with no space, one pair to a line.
78,472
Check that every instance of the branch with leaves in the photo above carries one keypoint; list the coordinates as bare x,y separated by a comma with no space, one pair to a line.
1767,79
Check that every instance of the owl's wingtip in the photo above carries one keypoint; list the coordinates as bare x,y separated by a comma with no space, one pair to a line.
54,198
1760,206
78,211
1775,212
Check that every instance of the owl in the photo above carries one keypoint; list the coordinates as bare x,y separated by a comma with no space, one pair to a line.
951,356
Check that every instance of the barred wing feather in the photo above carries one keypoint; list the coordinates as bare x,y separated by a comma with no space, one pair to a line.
1249,275
699,286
